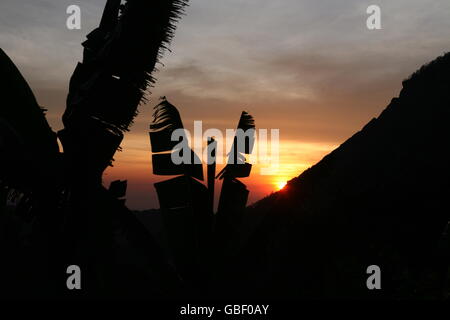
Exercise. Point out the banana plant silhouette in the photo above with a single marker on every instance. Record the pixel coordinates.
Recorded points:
(194, 233)
(77, 216)
(182, 199)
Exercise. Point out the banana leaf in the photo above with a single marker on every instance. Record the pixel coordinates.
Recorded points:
(164, 166)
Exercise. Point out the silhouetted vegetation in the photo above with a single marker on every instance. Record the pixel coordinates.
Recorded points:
(55, 211)
(380, 198)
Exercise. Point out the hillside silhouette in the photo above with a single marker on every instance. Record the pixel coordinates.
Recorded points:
(381, 198)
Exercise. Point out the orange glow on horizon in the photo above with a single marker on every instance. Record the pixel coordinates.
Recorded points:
(134, 164)
(281, 185)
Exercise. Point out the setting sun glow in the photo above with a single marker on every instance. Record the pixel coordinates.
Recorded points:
(281, 185)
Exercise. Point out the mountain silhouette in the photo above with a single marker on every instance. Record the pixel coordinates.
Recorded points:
(381, 198)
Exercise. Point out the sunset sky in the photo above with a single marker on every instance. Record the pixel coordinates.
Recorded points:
(310, 68)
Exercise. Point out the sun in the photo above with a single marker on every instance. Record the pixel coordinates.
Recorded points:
(281, 185)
